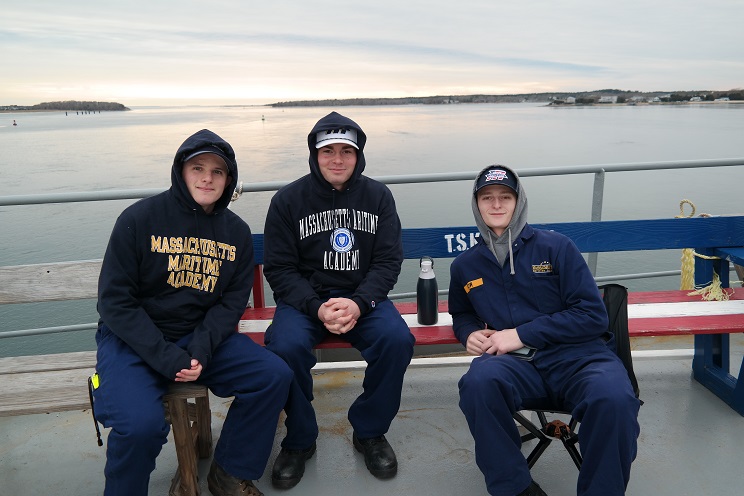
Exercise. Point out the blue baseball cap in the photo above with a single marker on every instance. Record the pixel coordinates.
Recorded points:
(496, 175)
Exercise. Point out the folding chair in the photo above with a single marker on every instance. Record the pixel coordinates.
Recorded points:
(615, 298)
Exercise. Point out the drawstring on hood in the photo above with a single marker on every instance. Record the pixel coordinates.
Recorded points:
(501, 246)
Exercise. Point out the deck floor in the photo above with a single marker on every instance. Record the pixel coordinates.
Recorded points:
(690, 444)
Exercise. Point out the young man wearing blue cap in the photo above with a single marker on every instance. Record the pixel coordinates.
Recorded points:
(333, 251)
(530, 290)
(175, 279)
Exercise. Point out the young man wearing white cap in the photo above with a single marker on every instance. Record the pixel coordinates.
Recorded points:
(333, 251)
(530, 289)
(175, 279)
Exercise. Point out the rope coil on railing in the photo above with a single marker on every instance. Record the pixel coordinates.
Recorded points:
(238, 191)
(712, 291)
(687, 280)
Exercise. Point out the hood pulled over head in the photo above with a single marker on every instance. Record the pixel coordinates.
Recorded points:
(500, 246)
(335, 128)
(204, 141)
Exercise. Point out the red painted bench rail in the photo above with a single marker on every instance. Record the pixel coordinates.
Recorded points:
(640, 297)
(257, 319)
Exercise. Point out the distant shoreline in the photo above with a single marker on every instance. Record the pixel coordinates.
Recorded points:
(643, 104)
(546, 104)
(555, 100)
(3, 111)
(568, 98)
(602, 96)
(36, 111)
(66, 106)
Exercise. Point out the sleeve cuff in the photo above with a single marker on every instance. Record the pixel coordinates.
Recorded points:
(364, 307)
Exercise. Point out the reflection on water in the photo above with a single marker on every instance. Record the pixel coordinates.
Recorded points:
(51, 152)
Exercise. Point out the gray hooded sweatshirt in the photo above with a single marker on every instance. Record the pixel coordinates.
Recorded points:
(501, 246)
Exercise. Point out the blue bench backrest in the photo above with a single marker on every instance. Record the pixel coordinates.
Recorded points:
(619, 235)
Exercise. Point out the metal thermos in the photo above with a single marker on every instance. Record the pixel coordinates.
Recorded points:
(426, 293)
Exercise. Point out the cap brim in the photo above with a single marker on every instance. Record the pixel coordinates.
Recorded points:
(336, 140)
(478, 188)
(213, 152)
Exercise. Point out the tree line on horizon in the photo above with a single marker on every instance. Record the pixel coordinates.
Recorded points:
(70, 105)
(581, 97)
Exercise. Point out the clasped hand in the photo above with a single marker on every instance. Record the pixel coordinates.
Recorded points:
(339, 315)
(493, 342)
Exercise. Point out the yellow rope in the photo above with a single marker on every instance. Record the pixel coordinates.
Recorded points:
(705, 257)
(713, 291)
(238, 191)
(687, 280)
(682, 209)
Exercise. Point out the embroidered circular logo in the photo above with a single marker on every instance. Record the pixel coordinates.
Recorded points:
(342, 240)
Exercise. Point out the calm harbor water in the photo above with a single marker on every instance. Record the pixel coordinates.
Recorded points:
(54, 152)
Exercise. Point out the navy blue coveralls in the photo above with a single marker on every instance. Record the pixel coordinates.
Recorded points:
(385, 342)
(553, 302)
(130, 402)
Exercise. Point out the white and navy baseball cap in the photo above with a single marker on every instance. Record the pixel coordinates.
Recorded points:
(346, 136)
(495, 175)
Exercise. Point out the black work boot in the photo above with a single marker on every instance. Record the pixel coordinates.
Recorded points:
(223, 484)
(289, 467)
(533, 490)
(378, 456)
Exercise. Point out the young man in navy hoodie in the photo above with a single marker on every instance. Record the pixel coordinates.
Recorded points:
(176, 277)
(333, 251)
(530, 289)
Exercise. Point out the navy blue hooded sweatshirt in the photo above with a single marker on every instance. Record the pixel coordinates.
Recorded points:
(319, 242)
(171, 269)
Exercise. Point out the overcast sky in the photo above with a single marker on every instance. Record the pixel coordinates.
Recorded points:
(242, 51)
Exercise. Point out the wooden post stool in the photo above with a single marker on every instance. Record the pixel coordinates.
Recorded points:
(191, 423)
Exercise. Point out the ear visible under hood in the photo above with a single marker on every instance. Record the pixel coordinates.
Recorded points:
(334, 120)
(500, 246)
(199, 141)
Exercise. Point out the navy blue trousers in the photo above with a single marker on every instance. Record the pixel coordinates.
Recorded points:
(386, 344)
(129, 400)
(594, 387)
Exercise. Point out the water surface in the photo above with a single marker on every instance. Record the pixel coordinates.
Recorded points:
(54, 152)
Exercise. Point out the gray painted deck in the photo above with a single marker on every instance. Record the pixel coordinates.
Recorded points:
(691, 443)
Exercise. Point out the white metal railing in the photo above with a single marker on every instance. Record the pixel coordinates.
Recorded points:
(599, 172)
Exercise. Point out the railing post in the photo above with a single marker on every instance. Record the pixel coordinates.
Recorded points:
(597, 200)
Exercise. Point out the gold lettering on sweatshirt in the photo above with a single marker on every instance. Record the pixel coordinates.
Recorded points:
(193, 262)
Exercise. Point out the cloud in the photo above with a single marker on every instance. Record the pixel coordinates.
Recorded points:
(290, 49)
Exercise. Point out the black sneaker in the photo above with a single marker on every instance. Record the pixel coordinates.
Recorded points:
(223, 484)
(533, 490)
(289, 467)
(378, 456)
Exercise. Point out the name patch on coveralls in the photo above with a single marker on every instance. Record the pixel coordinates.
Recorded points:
(543, 268)
(473, 284)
